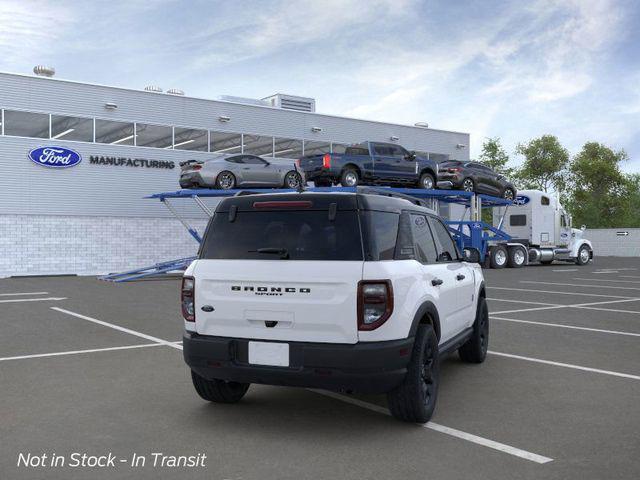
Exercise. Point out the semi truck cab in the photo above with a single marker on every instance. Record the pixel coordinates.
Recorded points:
(538, 223)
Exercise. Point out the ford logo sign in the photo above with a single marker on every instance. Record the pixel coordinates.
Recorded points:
(521, 200)
(55, 157)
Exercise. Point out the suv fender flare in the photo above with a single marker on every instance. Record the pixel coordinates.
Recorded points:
(427, 308)
(481, 290)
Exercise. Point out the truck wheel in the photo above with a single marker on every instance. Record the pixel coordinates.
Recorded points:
(474, 350)
(219, 391)
(349, 178)
(426, 181)
(508, 194)
(226, 180)
(414, 400)
(517, 257)
(499, 257)
(584, 255)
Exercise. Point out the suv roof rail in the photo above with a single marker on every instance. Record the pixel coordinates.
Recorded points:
(387, 193)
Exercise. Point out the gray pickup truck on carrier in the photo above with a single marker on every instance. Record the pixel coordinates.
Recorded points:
(370, 163)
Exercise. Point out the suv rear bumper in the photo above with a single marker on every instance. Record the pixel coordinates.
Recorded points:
(372, 367)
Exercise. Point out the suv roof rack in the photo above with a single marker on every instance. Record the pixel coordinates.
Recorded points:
(389, 193)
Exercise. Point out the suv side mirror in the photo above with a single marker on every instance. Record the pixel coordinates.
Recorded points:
(411, 156)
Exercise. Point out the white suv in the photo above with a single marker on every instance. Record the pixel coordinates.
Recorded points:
(353, 292)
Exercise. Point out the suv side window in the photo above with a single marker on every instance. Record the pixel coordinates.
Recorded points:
(447, 251)
(425, 247)
(381, 234)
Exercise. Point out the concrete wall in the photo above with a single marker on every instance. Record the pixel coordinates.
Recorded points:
(612, 241)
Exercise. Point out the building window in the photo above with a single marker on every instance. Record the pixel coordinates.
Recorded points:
(257, 145)
(316, 148)
(71, 128)
(287, 148)
(190, 139)
(115, 133)
(26, 124)
(226, 142)
(157, 136)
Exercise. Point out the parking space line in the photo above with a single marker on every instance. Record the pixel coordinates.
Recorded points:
(581, 285)
(47, 299)
(606, 280)
(119, 328)
(635, 312)
(76, 352)
(521, 301)
(559, 293)
(559, 325)
(566, 365)
(566, 270)
(485, 442)
(27, 293)
(577, 305)
(533, 309)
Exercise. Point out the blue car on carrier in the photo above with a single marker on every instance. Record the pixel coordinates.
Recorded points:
(370, 163)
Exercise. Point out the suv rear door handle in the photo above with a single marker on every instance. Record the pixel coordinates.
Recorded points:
(436, 281)
(460, 277)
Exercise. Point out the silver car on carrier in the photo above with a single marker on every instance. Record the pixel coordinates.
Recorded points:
(241, 170)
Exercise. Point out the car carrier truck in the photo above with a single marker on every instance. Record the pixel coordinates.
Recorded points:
(540, 231)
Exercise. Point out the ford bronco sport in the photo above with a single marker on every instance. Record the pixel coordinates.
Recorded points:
(352, 292)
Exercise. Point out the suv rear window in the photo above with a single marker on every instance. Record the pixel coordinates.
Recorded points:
(303, 235)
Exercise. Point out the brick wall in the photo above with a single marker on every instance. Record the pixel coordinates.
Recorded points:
(46, 245)
(611, 241)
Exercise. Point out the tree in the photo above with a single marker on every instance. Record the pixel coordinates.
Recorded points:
(494, 156)
(545, 164)
(600, 195)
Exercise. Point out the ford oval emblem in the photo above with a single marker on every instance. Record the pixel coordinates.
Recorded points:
(521, 200)
(55, 157)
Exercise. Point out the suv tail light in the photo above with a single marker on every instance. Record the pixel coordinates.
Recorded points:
(375, 303)
(188, 299)
(326, 160)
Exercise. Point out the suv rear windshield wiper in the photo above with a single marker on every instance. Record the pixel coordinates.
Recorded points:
(283, 252)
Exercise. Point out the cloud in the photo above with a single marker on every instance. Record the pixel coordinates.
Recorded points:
(30, 29)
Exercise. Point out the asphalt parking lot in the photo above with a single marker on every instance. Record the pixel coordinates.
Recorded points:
(95, 367)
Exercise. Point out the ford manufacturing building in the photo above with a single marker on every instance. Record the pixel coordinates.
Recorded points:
(91, 217)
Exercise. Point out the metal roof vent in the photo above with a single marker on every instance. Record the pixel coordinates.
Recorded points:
(153, 88)
(175, 91)
(291, 102)
(44, 71)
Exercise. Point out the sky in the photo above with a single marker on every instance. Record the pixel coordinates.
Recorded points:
(509, 69)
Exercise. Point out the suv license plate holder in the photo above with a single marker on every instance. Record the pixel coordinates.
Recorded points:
(269, 353)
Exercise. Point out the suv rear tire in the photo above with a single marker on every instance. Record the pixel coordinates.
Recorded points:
(414, 400)
(219, 391)
(474, 350)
